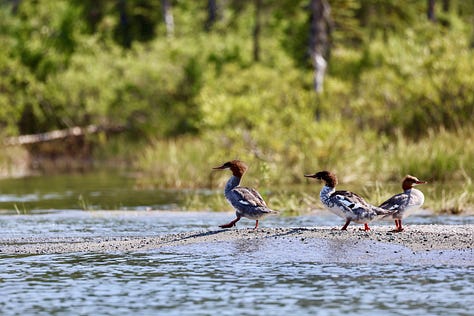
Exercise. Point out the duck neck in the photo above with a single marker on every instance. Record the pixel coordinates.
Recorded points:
(325, 194)
(414, 191)
(232, 183)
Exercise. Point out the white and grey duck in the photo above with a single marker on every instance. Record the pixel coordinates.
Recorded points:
(247, 202)
(404, 203)
(348, 205)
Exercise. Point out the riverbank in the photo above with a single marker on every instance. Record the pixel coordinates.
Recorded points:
(416, 238)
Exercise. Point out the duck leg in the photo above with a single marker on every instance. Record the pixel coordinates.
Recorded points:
(256, 225)
(232, 223)
(398, 226)
(366, 227)
(346, 224)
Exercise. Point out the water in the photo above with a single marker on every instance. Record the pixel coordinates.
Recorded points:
(229, 278)
(233, 281)
(244, 277)
(102, 190)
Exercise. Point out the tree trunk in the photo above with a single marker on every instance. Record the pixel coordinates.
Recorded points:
(212, 14)
(431, 11)
(319, 40)
(256, 31)
(446, 5)
(168, 17)
(124, 25)
(61, 134)
(15, 5)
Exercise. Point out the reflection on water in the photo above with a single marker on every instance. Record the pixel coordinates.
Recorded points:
(230, 278)
(101, 190)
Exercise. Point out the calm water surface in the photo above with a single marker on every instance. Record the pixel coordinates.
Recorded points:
(227, 278)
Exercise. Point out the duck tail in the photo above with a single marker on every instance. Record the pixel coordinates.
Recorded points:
(383, 212)
(270, 211)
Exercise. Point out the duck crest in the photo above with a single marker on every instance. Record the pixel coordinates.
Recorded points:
(328, 177)
(238, 168)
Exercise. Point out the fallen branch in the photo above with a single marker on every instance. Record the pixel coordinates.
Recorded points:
(60, 134)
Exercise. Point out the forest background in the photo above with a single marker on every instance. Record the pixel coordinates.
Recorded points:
(371, 90)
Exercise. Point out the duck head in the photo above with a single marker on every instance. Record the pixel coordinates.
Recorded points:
(410, 181)
(328, 177)
(237, 167)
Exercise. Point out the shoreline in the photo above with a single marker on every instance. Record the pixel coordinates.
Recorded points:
(415, 238)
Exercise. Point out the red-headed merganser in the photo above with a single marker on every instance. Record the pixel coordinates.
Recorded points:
(247, 202)
(346, 204)
(403, 203)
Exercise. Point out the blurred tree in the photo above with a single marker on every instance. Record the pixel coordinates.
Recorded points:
(431, 11)
(15, 5)
(212, 14)
(319, 40)
(123, 31)
(446, 5)
(168, 17)
(126, 21)
(256, 30)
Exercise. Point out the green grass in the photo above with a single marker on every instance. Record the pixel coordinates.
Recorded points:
(370, 166)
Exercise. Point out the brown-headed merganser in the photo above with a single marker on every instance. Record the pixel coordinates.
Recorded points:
(346, 204)
(404, 203)
(247, 202)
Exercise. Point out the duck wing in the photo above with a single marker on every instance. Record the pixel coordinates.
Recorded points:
(395, 202)
(249, 197)
(348, 200)
(354, 203)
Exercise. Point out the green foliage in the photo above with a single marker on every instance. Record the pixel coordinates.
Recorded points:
(15, 83)
(422, 82)
(42, 40)
(69, 61)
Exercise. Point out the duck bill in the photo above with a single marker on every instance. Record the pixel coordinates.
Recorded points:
(220, 168)
(310, 175)
(421, 182)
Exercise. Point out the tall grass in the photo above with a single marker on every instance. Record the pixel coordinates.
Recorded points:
(175, 163)
(365, 163)
(14, 162)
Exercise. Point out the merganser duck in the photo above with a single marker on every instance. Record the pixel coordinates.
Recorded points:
(346, 204)
(404, 203)
(247, 202)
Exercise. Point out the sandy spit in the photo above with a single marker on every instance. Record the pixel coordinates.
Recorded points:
(416, 237)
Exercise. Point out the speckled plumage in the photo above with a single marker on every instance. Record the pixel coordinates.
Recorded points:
(247, 202)
(404, 203)
(346, 204)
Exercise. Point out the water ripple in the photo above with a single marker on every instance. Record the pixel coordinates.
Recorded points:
(247, 277)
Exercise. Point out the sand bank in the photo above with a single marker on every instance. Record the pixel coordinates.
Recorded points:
(415, 237)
